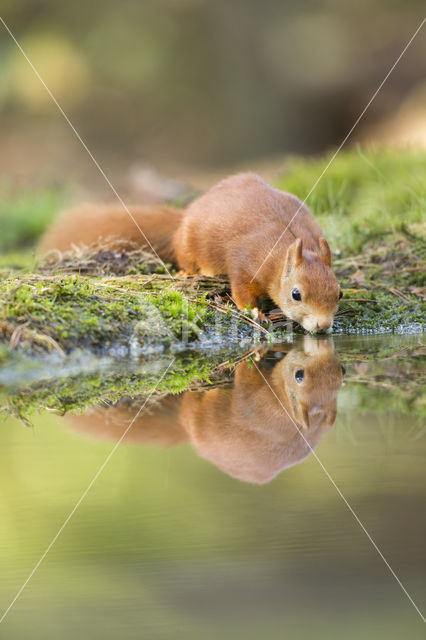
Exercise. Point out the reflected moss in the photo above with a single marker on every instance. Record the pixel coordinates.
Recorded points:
(382, 373)
(107, 384)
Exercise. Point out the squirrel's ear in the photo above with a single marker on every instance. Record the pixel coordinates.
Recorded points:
(294, 256)
(325, 252)
(331, 416)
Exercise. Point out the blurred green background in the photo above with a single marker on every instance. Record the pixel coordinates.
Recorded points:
(188, 86)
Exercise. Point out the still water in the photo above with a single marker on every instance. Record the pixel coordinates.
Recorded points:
(222, 512)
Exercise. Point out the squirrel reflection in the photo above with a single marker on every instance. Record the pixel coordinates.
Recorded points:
(271, 418)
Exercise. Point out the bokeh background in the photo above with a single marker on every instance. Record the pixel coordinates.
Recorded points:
(190, 88)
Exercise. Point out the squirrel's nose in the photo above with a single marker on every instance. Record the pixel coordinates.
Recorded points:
(323, 326)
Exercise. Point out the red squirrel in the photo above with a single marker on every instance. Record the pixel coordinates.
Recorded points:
(237, 228)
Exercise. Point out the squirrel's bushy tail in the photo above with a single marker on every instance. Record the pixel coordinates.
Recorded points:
(89, 223)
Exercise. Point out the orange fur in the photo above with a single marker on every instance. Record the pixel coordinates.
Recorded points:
(229, 230)
(89, 223)
(232, 228)
(157, 424)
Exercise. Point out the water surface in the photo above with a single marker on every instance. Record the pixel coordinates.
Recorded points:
(214, 517)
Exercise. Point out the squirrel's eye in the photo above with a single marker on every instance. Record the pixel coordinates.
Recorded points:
(340, 294)
(296, 295)
(299, 375)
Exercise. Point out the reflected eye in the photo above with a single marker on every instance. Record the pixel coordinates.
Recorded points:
(340, 294)
(299, 375)
(296, 295)
(343, 370)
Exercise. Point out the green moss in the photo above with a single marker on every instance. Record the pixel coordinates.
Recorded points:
(383, 287)
(362, 194)
(122, 316)
(77, 312)
(386, 314)
(5, 354)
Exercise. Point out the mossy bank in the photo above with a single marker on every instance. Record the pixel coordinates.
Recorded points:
(370, 203)
(114, 317)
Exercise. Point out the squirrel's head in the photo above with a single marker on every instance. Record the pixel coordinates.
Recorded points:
(312, 375)
(309, 292)
(250, 430)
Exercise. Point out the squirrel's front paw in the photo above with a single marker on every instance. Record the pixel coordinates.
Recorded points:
(258, 315)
